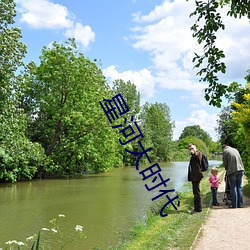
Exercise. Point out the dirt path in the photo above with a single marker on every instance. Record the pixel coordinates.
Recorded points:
(225, 228)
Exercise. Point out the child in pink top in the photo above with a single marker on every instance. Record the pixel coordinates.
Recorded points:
(214, 185)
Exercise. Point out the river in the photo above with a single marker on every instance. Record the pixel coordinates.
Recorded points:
(104, 204)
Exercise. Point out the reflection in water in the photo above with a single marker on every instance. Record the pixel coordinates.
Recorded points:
(104, 204)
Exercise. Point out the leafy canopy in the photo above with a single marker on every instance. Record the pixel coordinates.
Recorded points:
(205, 28)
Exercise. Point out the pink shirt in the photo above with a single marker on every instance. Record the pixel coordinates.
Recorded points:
(214, 181)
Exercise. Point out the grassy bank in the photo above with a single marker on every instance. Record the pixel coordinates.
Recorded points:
(176, 231)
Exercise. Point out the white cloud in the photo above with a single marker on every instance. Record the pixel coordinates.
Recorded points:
(83, 34)
(44, 14)
(143, 80)
(165, 33)
(208, 122)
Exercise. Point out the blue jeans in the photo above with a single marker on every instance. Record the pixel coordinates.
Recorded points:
(214, 196)
(235, 182)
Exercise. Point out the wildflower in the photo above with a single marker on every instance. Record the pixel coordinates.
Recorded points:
(78, 228)
(20, 243)
(45, 229)
(54, 230)
(29, 238)
(61, 215)
(10, 242)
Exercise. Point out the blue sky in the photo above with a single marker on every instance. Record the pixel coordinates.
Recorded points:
(148, 42)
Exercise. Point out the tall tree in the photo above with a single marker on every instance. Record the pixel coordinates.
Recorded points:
(207, 24)
(196, 131)
(227, 127)
(157, 128)
(12, 51)
(19, 158)
(67, 119)
(184, 142)
(241, 115)
(130, 95)
(132, 98)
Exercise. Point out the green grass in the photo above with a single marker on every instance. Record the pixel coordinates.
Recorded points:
(176, 231)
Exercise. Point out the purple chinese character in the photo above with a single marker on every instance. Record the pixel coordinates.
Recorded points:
(163, 192)
(110, 110)
(151, 171)
(128, 131)
(163, 182)
(120, 105)
(170, 201)
(140, 154)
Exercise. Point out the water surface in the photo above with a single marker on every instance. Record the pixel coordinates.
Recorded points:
(104, 204)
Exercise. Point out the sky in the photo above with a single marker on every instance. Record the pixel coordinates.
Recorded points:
(147, 42)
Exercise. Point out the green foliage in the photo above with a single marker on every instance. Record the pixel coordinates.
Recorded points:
(233, 123)
(157, 128)
(20, 158)
(196, 131)
(215, 147)
(227, 127)
(201, 146)
(205, 28)
(12, 50)
(66, 117)
(130, 95)
(132, 98)
(241, 116)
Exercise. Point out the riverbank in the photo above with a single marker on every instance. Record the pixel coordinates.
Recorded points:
(176, 231)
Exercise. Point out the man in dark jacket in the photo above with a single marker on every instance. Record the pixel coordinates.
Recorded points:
(195, 175)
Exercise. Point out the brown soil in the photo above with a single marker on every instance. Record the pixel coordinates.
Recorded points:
(225, 228)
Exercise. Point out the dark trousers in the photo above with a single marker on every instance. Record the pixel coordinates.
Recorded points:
(235, 181)
(197, 196)
(214, 196)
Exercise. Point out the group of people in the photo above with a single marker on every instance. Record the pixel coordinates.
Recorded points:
(234, 167)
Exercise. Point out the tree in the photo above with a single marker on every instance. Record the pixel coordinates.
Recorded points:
(66, 117)
(157, 128)
(207, 24)
(130, 95)
(196, 131)
(132, 98)
(241, 116)
(20, 158)
(229, 130)
(184, 142)
(227, 127)
(12, 50)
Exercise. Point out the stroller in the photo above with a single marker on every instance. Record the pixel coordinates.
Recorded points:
(227, 194)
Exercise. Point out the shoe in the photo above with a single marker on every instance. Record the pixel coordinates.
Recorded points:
(240, 206)
(231, 206)
(194, 212)
(217, 204)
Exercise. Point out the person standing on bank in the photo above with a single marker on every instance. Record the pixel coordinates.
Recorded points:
(235, 169)
(195, 175)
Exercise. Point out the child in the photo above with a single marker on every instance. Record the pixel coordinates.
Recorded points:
(214, 185)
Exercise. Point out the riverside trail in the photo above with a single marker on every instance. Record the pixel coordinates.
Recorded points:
(225, 228)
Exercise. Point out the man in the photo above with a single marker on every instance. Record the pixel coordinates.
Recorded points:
(195, 175)
(235, 169)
